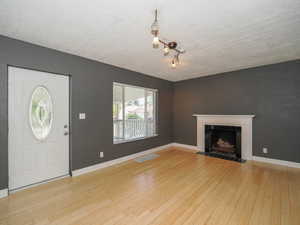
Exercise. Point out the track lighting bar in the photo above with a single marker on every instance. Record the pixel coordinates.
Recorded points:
(175, 49)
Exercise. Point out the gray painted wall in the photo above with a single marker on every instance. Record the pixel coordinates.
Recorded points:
(91, 93)
(271, 92)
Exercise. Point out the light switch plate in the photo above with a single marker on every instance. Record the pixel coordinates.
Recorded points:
(82, 116)
(101, 155)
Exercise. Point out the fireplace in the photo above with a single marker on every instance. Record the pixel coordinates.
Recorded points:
(223, 142)
(243, 121)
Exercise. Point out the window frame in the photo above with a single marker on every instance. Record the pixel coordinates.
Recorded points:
(155, 112)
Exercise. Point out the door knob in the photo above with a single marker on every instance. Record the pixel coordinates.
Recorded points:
(66, 133)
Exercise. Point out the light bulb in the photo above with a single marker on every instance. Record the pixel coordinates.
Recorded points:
(173, 64)
(155, 42)
(166, 50)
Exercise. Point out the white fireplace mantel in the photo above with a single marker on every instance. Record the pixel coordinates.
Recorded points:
(244, 121)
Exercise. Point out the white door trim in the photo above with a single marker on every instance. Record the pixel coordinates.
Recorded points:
(3, 193)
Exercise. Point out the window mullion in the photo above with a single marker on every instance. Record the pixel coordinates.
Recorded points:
(146, 115)
(123, 111)
(155, 111)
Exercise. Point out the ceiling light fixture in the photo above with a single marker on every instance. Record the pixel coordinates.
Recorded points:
(167, 45)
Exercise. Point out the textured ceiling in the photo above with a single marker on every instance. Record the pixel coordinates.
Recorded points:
(219, 36)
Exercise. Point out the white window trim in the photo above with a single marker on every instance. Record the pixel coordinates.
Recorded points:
(134, 139)
(129, 85)
(155, 108)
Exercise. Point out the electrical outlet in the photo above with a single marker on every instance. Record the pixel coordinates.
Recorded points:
(101, 154)
(265, 150)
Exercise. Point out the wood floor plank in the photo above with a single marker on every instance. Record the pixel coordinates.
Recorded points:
(177, 188)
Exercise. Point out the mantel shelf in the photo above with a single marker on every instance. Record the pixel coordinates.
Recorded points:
(227, 116)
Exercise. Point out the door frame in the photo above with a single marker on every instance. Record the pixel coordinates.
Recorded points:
(70, 124)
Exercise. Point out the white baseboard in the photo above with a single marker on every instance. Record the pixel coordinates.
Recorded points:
(276, 161)
(3, 193)
(160, 148)
(117, 161)
(192, 147)
(254, 158)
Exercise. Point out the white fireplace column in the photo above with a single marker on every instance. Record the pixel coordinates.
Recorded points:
(243, 121)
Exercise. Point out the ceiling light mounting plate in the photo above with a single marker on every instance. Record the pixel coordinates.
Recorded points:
(172, 44)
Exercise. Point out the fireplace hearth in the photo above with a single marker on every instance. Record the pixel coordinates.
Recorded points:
(223, 142)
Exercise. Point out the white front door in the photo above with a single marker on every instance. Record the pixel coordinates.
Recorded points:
(38, 126)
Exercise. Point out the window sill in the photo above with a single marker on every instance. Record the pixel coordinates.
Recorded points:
(132, 140)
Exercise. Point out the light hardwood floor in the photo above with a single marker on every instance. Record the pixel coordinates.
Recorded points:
(179, 187)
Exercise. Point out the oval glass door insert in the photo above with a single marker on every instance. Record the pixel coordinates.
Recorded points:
(41, 113)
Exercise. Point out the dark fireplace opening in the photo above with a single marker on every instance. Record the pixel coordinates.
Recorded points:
(223, 142)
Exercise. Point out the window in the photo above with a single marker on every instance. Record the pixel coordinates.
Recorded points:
(134, 112)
